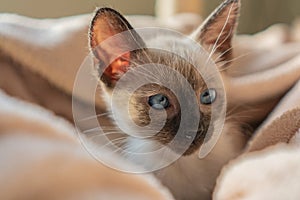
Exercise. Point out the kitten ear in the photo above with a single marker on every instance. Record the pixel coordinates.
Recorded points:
(216, 32)
(113, 50)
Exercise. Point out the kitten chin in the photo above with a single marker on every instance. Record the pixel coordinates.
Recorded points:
(192, 178)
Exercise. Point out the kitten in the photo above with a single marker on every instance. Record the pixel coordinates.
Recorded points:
(189, 177)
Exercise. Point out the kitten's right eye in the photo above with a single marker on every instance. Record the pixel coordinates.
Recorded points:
(159, 102)
(208, 96)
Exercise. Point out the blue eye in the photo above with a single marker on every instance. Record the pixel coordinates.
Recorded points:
(159, 101)
(208, 96)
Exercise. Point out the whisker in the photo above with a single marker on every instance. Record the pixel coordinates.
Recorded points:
(93, 117)
(112, 132)
(221, 68)
(137, 43)
(222, 54)
(219, 36)
(234, 59)
(147, 75)
(92, 130)
(129, 148)
(229, 49)
(113, 142)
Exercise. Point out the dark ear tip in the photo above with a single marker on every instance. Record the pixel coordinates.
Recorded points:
(105, 10)
(102, 11)
(235, 3)
(231, 1)
(226, 2)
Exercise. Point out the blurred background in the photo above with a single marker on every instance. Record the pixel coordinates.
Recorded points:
(256, 14)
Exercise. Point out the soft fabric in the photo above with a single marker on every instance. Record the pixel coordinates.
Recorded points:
(39, 60)
(270, 166)
(40, 158)
(268, 174)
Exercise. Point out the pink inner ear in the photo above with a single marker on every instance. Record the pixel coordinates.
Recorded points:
(118, 67)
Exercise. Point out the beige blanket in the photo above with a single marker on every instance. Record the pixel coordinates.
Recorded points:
(270, 165)
(39, 60)
(41, 159)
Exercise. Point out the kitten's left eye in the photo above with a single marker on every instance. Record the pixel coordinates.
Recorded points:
(208, 96)
(159, 101)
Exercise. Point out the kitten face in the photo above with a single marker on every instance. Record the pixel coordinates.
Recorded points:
(154, 103)
(159, 100)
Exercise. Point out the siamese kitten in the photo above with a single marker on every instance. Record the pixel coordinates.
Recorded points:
(189, 177)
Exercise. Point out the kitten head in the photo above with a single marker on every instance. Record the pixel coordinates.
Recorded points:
(154, 106)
